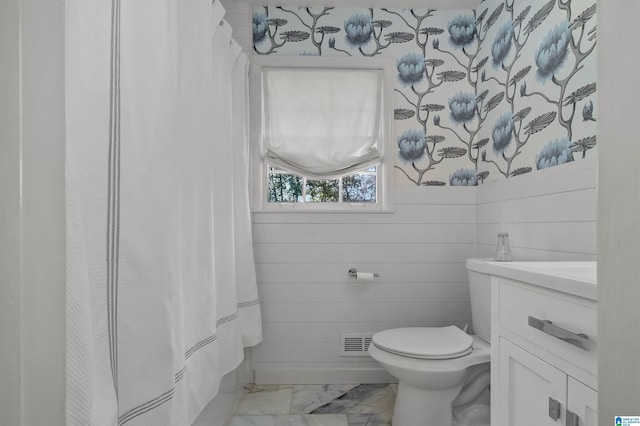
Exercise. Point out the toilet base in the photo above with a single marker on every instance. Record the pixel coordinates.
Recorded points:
(474, 415)
(422, 407)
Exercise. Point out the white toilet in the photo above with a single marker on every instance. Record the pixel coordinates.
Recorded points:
(443, 373)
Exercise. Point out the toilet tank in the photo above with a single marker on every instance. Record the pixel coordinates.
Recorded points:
(480, 292)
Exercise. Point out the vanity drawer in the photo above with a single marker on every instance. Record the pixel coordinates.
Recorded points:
(527, 310)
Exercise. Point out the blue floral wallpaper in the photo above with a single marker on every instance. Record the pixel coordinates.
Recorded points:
(543, 68)
(480, 95)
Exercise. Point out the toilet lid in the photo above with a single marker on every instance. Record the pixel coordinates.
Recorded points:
(425, 342)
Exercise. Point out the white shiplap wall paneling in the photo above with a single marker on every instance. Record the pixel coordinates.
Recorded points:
(308, 298)
(550, 215)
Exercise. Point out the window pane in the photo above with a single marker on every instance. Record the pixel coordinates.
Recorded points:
(284, 188)
(359, 188)
(323, 191)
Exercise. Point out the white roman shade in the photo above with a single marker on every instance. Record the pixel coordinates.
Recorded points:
(322, 123)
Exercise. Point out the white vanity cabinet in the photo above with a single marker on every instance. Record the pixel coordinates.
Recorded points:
(544, 353)
(582, 403)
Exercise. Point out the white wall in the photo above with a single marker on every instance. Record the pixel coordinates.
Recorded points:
(43, 212)
(32, 226)
(307, 299)
(10, 349)
(549, 215)
(619, 204)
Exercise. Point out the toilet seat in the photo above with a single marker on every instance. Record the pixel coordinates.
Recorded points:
(425, 342)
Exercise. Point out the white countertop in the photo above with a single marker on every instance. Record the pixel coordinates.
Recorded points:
(576, 278)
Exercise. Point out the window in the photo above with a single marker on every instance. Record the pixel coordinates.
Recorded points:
(320, 133)
(359, 187)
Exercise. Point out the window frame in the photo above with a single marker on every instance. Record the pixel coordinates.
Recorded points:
(259, 168)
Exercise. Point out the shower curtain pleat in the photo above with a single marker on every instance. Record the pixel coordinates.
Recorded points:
(162, 295)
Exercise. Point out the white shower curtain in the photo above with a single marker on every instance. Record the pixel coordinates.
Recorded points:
(161, 289)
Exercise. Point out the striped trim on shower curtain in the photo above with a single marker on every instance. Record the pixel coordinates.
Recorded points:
(113, 236)
(113, 197)
(153, 323)
(168, 395)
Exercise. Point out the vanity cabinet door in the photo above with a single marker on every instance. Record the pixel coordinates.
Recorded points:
(532, 392)
(581, 405)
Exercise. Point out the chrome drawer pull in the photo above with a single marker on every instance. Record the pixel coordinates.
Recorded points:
(572, 419)
(580, 340)
(554, 409)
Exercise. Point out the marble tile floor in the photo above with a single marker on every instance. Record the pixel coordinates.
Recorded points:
(315, 405)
